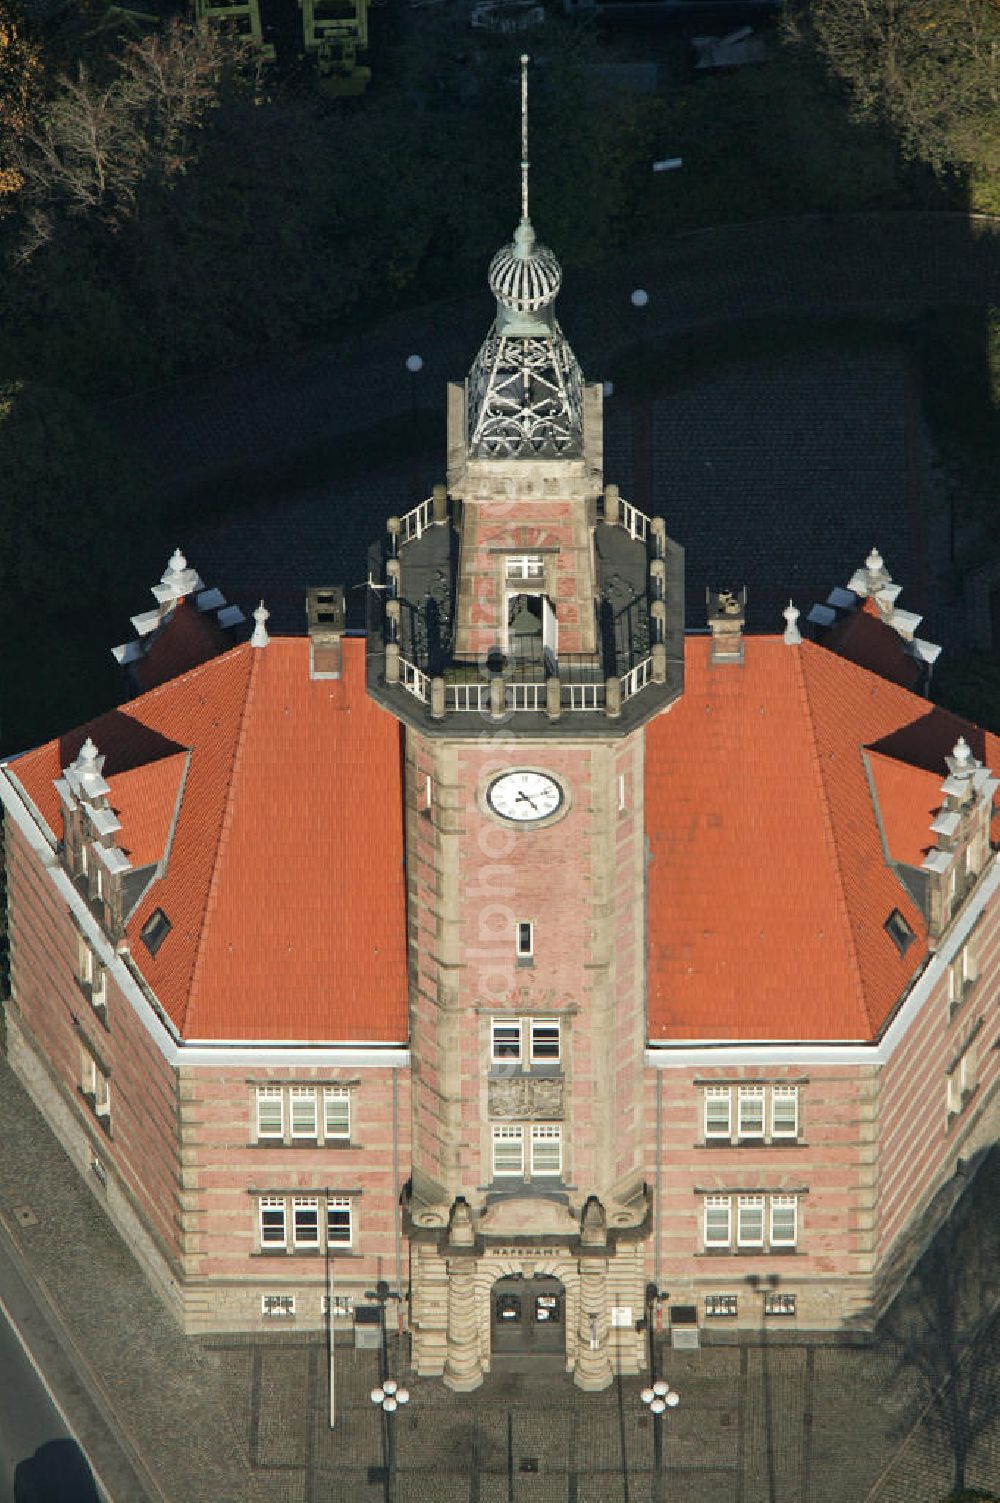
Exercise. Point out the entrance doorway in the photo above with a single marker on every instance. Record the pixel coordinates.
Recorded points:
(527, 1321)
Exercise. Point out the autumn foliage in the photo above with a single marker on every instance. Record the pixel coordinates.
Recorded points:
(20, 84)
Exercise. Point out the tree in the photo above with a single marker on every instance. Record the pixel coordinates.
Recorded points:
(928, 68)
(94, 144)
(20, 79)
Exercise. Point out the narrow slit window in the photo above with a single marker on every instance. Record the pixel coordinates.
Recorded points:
(525, 941)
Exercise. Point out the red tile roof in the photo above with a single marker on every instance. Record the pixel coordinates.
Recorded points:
(284, 886)
(768, 884)
(145, 800)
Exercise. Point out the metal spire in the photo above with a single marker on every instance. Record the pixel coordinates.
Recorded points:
(525, 164)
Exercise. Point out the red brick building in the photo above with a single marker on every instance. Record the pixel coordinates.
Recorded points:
(526, 951)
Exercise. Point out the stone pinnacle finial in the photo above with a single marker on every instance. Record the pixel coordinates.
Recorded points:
(86, 757)
(874, 563)
(792, 635)
(260, 637)
(962, 753)
(177, 563)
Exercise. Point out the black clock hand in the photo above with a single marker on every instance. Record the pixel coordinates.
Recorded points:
(527, 800)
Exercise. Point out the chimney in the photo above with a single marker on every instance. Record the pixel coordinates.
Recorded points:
(726, 618)
(325, 614)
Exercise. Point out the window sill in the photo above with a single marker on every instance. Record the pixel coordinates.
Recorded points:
(966, 1099)
(748, 1252)
(334, 1143)
(780, 1142)
(305, 1252)
(517, 1071)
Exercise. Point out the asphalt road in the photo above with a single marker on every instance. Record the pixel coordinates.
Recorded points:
(36, 1447)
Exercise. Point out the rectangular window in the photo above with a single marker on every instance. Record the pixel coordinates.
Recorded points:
(961, 974)
(784, 1220)
(302, 1101)
(776, 1303)
(525, 941)
(751, 1103)
(784, 1111)
(750, 1221)
(339, 1221)
(508, 1151)
(718, 1220)
(273, 1305)
(270, 1112)
(544, 1041)
(718, 1112)
(525, 567)
(272, 1221)
(102, 1094)
(95, 1084)
(962, 1080)
(546, 1150)
(721, 1304)
(305, 1220)
(506, 1039)
(336, 1111)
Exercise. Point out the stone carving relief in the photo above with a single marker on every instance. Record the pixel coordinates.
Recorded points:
(527, 1098)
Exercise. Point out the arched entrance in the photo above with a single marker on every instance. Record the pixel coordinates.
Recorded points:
(527, 1320)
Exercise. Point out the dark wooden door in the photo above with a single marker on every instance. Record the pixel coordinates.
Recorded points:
(527, 1317)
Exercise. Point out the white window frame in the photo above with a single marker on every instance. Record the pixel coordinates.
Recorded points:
(498, 1024)
(746, 1094)
(746, 1204)
(277, 1306)
(524, 940)
(718, 1094)
(525, 567)
(305, 1203)
(303, 1095)
(342, 1094)
(272, 1203)
(271, 1093)
(717, 1203)
(535, 1025)
(548, 1133)
(508, 1132)
(786, 1093)
(783, 1203)
(339, 1203)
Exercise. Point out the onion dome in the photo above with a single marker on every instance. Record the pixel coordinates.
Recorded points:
(525, 276)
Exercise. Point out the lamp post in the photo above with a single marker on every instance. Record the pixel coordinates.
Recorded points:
(414, 364)
(382, 1294)
(389, 1397)
(658, 1398)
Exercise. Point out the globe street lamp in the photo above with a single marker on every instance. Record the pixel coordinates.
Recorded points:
(389, 1397)
(414, 364)
(658, 1398)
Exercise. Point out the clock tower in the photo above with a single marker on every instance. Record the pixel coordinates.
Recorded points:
(527, 622)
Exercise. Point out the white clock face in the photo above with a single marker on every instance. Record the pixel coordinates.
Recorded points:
(524, 796)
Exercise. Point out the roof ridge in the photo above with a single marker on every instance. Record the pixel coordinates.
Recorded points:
(827, 818)
(225, 825)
